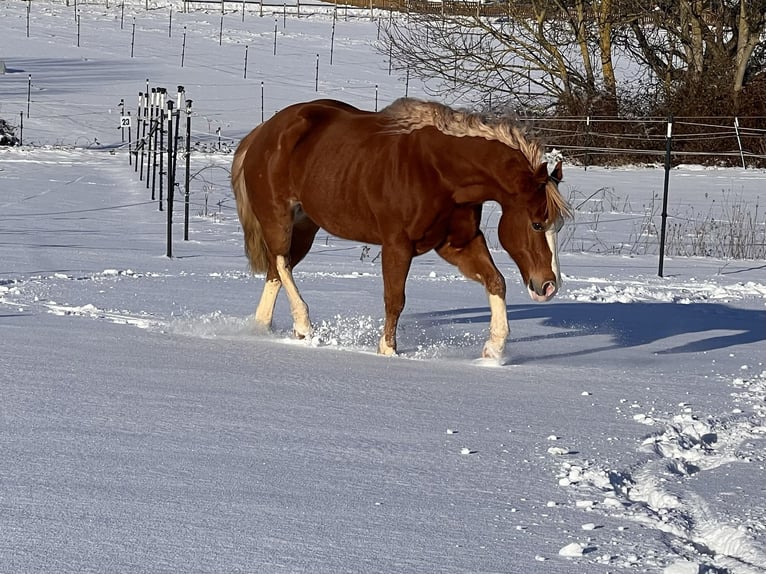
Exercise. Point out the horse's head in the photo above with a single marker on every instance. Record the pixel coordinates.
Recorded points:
(528, 231)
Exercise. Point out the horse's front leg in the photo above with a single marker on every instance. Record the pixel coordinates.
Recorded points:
(396, 260)
(475, 262)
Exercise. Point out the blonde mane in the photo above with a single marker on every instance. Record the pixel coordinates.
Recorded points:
(410, 114)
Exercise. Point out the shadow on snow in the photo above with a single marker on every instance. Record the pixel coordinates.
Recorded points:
(713, 326)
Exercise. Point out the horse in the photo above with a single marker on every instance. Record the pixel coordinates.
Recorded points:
(412, 178)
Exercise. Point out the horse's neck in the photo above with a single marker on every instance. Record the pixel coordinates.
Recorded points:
(484, 176)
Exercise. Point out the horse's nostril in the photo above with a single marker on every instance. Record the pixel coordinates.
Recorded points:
(547, 289)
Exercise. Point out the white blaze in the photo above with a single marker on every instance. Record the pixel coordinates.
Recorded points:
(551, 236)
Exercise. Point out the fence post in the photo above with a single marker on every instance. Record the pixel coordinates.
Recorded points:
(739, 142)
(332, 35)
(163, 93)
(668, 147)
(183, 48)
(122, 115)
(187, 176)
(171, 181)
(587, 142)
(139, 121)
(130, 140)
(151, 153)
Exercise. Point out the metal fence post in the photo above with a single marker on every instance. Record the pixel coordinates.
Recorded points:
(668, 147)
(187, 176)
(171, 180)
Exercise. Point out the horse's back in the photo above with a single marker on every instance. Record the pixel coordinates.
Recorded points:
(355, 173)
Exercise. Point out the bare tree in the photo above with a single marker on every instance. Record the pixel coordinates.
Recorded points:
(544, 54)
(539, 54)
(698, 47)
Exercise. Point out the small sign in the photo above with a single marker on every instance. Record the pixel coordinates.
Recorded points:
(124, 121)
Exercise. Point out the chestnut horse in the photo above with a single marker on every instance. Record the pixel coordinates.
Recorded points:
(411, 178)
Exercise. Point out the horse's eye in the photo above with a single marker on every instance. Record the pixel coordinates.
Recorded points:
(538, 226)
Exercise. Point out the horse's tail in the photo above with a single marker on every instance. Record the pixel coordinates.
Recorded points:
(255, 247)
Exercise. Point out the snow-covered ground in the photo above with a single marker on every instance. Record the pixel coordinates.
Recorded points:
(145, 428)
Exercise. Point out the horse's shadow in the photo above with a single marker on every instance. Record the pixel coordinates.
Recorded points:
(700, 326)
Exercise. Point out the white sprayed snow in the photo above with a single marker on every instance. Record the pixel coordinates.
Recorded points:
(146, 425)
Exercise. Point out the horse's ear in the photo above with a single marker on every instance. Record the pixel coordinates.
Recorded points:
(541, 174)
(558, 173)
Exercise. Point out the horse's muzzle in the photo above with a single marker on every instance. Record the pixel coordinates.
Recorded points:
(542, 293)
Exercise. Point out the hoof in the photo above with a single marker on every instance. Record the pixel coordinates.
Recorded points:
(491, 351)
(385, 349)
(260, 327)
(301, 335)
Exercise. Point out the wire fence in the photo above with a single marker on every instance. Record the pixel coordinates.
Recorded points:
(729, 140)
(737, 231)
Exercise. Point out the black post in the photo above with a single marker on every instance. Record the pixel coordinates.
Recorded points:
(132, 36)
(130, 140)
(316, 77)
(162, 155)
(246, 48)
(144, 121)
(407, 86)
(122, 115)
(157, 144)
(171, 181)
(21, 134)
(668, 147)
(29, 93)
(187, 176)
(183, 48)
(150, 149)
(332, 36)
(29, 8)
(138, 127)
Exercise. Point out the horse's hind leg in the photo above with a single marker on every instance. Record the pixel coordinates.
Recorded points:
(304, 231)
(475, 262)
(265, 310)
(298, 307)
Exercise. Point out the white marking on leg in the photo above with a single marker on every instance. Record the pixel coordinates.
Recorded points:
(265, 310)
(498, 327)
(384, 348)
(298, 307)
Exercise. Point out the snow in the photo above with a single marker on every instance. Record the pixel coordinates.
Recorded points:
(144, 426)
